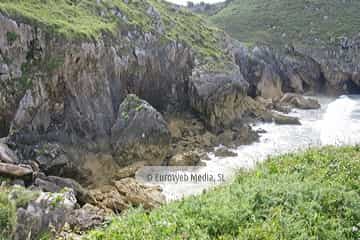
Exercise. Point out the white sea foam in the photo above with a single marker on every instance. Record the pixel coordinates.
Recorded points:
(336, 123)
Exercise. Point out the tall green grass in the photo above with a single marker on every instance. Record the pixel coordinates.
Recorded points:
(309, 195)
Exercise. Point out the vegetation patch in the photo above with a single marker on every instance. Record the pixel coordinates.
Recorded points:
(275, 22)
(11, 37)
(7, 215)
(89, 19)
(12, 198)
(309, 195)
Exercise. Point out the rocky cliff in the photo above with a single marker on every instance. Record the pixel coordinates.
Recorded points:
(93, 90)
(323, 33)
(64, 80)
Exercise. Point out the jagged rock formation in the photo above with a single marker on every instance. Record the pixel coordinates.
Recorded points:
(125, 193)
(219, 97)
(270, 74)
(7, 155)
(79, 102)
(65, 103)
(297, 101)
(322, 36)
(45, 212)
(62, 96)
(139, 134)
(339, 63)
(77, 87)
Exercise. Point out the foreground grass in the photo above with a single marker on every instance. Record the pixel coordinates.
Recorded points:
(12, 198)
(310, 195)
(305, 22)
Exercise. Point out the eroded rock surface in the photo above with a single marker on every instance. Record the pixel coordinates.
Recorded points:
(48, 211)
(270, 73)
(339, 62)
(125, 193)
(298, 101)
(139, 134)
(7, 155)
(60, 98)
(219, 98)
(191, 158)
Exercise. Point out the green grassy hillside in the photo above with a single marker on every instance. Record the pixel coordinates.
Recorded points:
(310, 195)
(90, 19)
(306, 22)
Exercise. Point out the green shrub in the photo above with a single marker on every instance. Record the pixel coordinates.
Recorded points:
(11, 37)
(12, 198)
(21, 196)
(7, 215)
(309, 195)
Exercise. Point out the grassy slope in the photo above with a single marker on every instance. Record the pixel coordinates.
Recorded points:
(88, 19)
(303, 21)
(310, 195)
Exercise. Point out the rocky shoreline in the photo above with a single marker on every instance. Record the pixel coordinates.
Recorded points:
(78, 118)
(75, 209)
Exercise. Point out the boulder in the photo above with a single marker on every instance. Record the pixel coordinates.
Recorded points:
(57, 184)
(284, 108)
(129, 171)
(189, 134)
(51, 158)
(137, 194)
(191, 158)
(7, 155)
(298, 101)
(238, 135)
(125, 193)
(225, 152)
(16, 171)
(285, 120)
(86, 218)
(139, 134)
(108, 198)
(219, 98)
(48, 211)
(267, 102)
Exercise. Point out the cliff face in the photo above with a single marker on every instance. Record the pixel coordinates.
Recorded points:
(325, 32)
(88, 80)
(93, 90)
(272, 71)
(270, 74)
(70, 91)
(61, 90)
(340, 64)
(63, 81)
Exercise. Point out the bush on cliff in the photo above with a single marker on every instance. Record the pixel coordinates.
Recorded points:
(309, 195)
